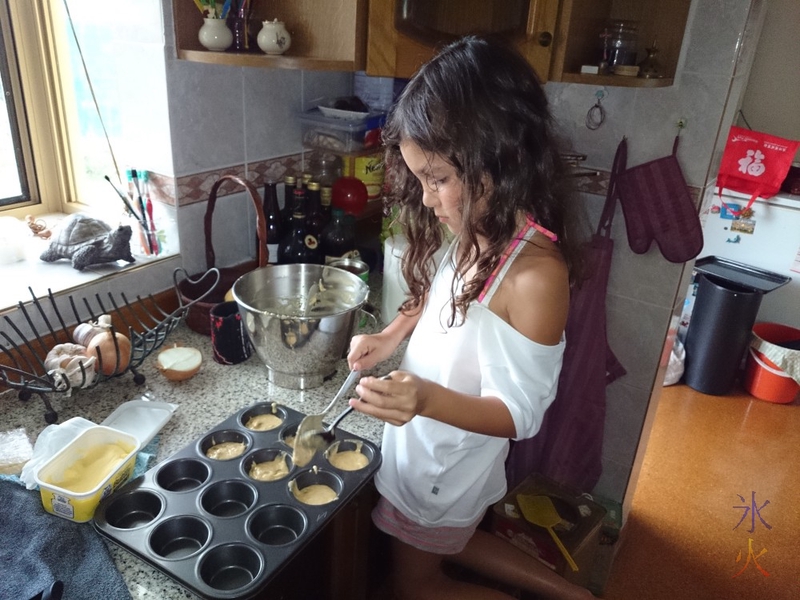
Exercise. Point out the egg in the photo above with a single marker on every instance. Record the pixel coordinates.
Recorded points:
(102, 345)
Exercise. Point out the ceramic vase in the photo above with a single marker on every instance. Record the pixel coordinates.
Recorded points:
(273, 37)
(215, 35)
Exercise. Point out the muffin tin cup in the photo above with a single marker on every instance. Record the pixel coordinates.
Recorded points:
(212, 527)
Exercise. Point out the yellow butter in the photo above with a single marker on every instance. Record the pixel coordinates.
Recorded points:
(92, 468)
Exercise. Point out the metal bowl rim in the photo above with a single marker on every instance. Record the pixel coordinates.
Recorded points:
(245, 305)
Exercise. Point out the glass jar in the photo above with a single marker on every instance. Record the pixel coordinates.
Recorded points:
(619, 40)
(326, 168)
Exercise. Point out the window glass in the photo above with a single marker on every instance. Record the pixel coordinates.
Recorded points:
(94, 52)
(10, 181)
(13, 175)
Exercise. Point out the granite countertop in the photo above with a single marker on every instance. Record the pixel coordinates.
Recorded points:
(206, 399)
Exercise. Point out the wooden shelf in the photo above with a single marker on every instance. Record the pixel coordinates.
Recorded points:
(577, 40)
(326, 36)
(616, 80)
(248, 59)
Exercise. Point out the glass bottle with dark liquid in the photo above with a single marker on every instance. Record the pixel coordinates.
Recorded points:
(299, 245)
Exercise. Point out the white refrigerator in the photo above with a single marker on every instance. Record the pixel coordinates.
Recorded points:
(768, 239)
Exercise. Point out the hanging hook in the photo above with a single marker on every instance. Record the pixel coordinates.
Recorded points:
(597, 114)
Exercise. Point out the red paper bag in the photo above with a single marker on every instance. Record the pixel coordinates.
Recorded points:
(754, 163)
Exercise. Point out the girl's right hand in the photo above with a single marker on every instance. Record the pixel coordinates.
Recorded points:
(366, 351)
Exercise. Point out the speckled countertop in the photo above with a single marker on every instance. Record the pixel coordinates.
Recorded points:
(208, 398)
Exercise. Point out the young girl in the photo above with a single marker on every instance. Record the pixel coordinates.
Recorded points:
(469, 147)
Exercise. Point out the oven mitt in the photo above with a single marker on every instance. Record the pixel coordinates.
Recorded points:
(657, 206)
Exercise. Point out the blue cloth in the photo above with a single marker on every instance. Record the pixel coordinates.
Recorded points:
(37, 548)
(145, 457)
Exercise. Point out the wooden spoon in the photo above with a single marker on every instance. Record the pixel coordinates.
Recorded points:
(540, 511)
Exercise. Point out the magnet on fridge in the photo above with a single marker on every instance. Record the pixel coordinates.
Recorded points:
(725, 211)
(743, 225)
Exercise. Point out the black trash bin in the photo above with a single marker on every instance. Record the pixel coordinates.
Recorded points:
(728, 298)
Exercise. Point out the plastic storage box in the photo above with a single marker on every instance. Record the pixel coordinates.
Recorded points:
(79, 506)
(341, 135)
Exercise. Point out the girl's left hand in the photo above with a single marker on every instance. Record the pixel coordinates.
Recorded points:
(395, 401)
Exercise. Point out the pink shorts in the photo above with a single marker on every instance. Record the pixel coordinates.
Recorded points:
(437, 540)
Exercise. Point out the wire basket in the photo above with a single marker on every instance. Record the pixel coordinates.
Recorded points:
(42, 323)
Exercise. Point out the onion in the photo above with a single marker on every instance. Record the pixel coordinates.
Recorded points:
(102, 345)
(179, 363)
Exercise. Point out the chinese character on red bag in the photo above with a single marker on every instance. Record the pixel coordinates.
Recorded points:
(754, 163)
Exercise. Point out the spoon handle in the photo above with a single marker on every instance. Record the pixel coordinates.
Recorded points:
(351, 379)
(346, 411)
(339, 418)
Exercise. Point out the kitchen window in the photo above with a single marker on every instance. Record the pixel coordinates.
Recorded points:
(28, 146)
(72, 144)
(56, 149)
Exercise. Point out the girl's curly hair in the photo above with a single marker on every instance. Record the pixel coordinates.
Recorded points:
(479, 105)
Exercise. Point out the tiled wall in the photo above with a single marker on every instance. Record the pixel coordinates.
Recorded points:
(645, 292)
(234, 120)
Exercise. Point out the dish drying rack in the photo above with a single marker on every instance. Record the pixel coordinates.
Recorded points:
(22, 356)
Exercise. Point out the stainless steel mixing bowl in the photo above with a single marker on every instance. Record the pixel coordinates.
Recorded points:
(300, 319)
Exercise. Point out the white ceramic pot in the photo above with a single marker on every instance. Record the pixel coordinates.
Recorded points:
(273, 37)
(215, 35)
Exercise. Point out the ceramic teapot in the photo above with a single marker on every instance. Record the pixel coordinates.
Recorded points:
(274, 38)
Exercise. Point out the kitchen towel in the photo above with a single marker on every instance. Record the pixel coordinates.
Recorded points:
(37, 548)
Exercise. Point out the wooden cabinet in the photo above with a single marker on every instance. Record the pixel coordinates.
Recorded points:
(402, 35)
(392, 38)
(580, 23)
(326, 36)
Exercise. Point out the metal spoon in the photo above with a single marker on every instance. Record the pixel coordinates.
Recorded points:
(307, 440)
(323, 437)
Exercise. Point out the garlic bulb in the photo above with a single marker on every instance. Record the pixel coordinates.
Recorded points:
(67, 360)
(83, 333)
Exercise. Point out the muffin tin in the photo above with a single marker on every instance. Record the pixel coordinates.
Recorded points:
(207, 524)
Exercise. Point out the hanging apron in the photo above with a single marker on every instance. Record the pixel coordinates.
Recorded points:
(568, 447)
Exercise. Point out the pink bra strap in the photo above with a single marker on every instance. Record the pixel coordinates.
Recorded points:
(513, 248)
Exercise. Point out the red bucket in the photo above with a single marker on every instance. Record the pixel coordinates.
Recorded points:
(763, 378)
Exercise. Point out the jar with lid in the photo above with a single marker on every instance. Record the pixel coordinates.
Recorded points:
(619, 41)
(326, 168)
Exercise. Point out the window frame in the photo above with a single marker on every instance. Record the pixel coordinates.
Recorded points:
(39, 101)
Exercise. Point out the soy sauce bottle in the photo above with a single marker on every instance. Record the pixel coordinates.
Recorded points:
(299, 245)
(315, 215)
(275, 229)
(289, 184)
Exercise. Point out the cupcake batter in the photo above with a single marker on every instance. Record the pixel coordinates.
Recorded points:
(349, 460)
(263, 422)
(270, 470)
(316, 494)
(226, 450)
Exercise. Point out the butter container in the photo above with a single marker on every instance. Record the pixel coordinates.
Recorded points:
(83, 454)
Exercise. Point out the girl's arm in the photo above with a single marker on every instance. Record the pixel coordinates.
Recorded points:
(399, 399)
(366, 351)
